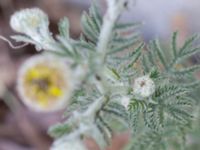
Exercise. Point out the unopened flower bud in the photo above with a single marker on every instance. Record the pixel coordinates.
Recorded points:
(144, 86)
(34, 23)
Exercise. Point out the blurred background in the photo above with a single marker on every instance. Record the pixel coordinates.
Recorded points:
(22, 129)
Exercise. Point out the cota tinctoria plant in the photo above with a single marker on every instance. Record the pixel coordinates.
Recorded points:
(113, 80)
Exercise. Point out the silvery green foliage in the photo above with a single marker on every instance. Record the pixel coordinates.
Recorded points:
(124, 83)
(67, 144)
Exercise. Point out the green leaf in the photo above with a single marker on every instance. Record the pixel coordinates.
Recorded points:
(190, 53)
(188, 49)
(126, 27)
(167, 91)
(152, 118)
(151, 58)
(117, 110)
(84, 45)
(104, 130)
(136, 55)
(63, 27)
(182, 102)
(106, 125)
(188, 43)
(191, 85)
(134, 123)
(178, 114)
(174, 44)
(159, 52)
(123, 45)
(89, 27)
(111, 72)
(145, 64)
(186, 71)
(95, 15)
(148, 140)
(67, 44)
(59, 130)
(116, 113)
(154, 73)
(137, 105)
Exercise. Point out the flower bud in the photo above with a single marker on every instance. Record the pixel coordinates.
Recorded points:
(144, 86)
(125, 101)
(34, 23)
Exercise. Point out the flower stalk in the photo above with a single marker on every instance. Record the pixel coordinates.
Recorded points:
(115, 8)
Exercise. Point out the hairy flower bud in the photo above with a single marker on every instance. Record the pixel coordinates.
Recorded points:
(144, 86)
(125, 101)
(34, 23)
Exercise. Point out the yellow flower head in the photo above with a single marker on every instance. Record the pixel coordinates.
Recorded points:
(44, 83)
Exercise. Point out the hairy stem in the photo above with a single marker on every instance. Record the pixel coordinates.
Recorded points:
(115, 8)
(87, 119)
